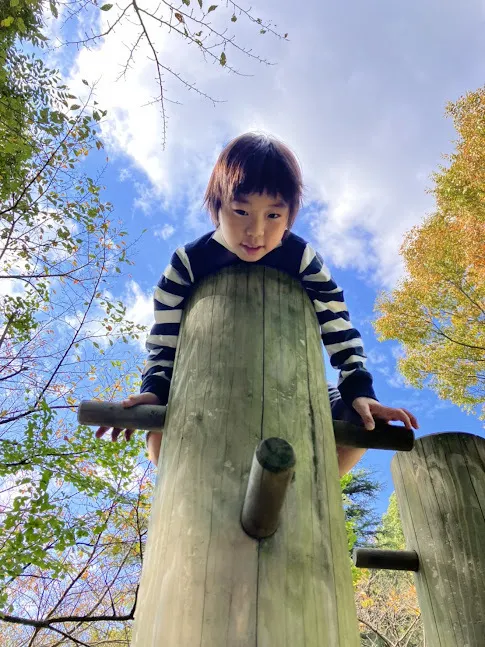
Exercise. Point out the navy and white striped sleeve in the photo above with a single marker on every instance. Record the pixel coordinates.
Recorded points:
(341, 340)
(169, 299)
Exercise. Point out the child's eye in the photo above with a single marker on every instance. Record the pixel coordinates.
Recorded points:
(274, 216)
(240, 212)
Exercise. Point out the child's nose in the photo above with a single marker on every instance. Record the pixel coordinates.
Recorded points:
(255, 228)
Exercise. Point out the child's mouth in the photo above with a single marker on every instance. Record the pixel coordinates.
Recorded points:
(251, 250)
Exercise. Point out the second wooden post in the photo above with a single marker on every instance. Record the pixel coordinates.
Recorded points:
(249, 366)
(440, 487)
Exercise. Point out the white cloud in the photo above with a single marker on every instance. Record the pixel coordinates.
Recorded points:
(393, 378)
(397, 351)
(379, 362)
(358, 93)
(124, 175)
(11, 288)
(139, 307)
(431, 410)
(165, 232)
(376, 357)
(146, 197)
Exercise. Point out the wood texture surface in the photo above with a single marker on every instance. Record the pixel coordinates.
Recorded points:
(112, 414)
(440, 487)
(249, 366)
(271, 473)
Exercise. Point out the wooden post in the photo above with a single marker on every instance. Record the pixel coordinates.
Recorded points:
(249, 366)
(440, 488)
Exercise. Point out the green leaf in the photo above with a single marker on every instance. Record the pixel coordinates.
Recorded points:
(14, 3)
(75, 106)
(106, 7)
(186, 2)
(223, 59)
(213, 7)
(53, 9)
(200, 4)
(85, 82)
(6, 22)
(234, 18)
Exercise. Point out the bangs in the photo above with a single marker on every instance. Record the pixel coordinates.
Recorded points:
(262, 172)
(255, 163)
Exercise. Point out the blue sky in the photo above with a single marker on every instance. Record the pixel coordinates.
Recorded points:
(358, 92)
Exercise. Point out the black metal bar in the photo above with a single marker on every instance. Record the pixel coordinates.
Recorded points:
(393, 560)
(384, 436)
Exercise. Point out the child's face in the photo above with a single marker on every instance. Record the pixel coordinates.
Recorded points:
(254, 224)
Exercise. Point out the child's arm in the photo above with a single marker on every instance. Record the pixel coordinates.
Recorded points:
(344, 344)
(341, 340)
(169, 299)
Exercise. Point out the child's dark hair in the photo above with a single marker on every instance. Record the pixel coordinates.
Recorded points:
(254, 163)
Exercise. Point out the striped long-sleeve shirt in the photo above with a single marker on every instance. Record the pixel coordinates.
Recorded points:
(209, 254)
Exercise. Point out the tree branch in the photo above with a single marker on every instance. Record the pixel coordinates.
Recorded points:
(377, 633)
(455, 341)
(76, 641)
(46, 624)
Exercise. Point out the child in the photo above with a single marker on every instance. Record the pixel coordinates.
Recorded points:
(253, 197)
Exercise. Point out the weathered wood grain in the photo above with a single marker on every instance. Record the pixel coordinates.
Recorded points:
(440, 487)
(271, 472)
(248, 367)
(148, 417)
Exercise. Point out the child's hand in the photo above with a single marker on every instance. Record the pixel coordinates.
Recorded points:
(367, 408)
(131, 401)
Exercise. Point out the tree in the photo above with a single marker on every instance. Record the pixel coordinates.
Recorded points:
(23, 20)
(93, 598)
(70, 515)
(387, 606)
(73, 510)
(193, 22)
(437, 312)
(359, 490)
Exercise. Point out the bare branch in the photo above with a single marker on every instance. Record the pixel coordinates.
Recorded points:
(378, 633)
(192, 26)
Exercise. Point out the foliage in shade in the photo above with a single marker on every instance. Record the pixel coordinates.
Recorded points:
(387, 606)
(72, 509)
(437, 312)
(390, 534)
(359, 491)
